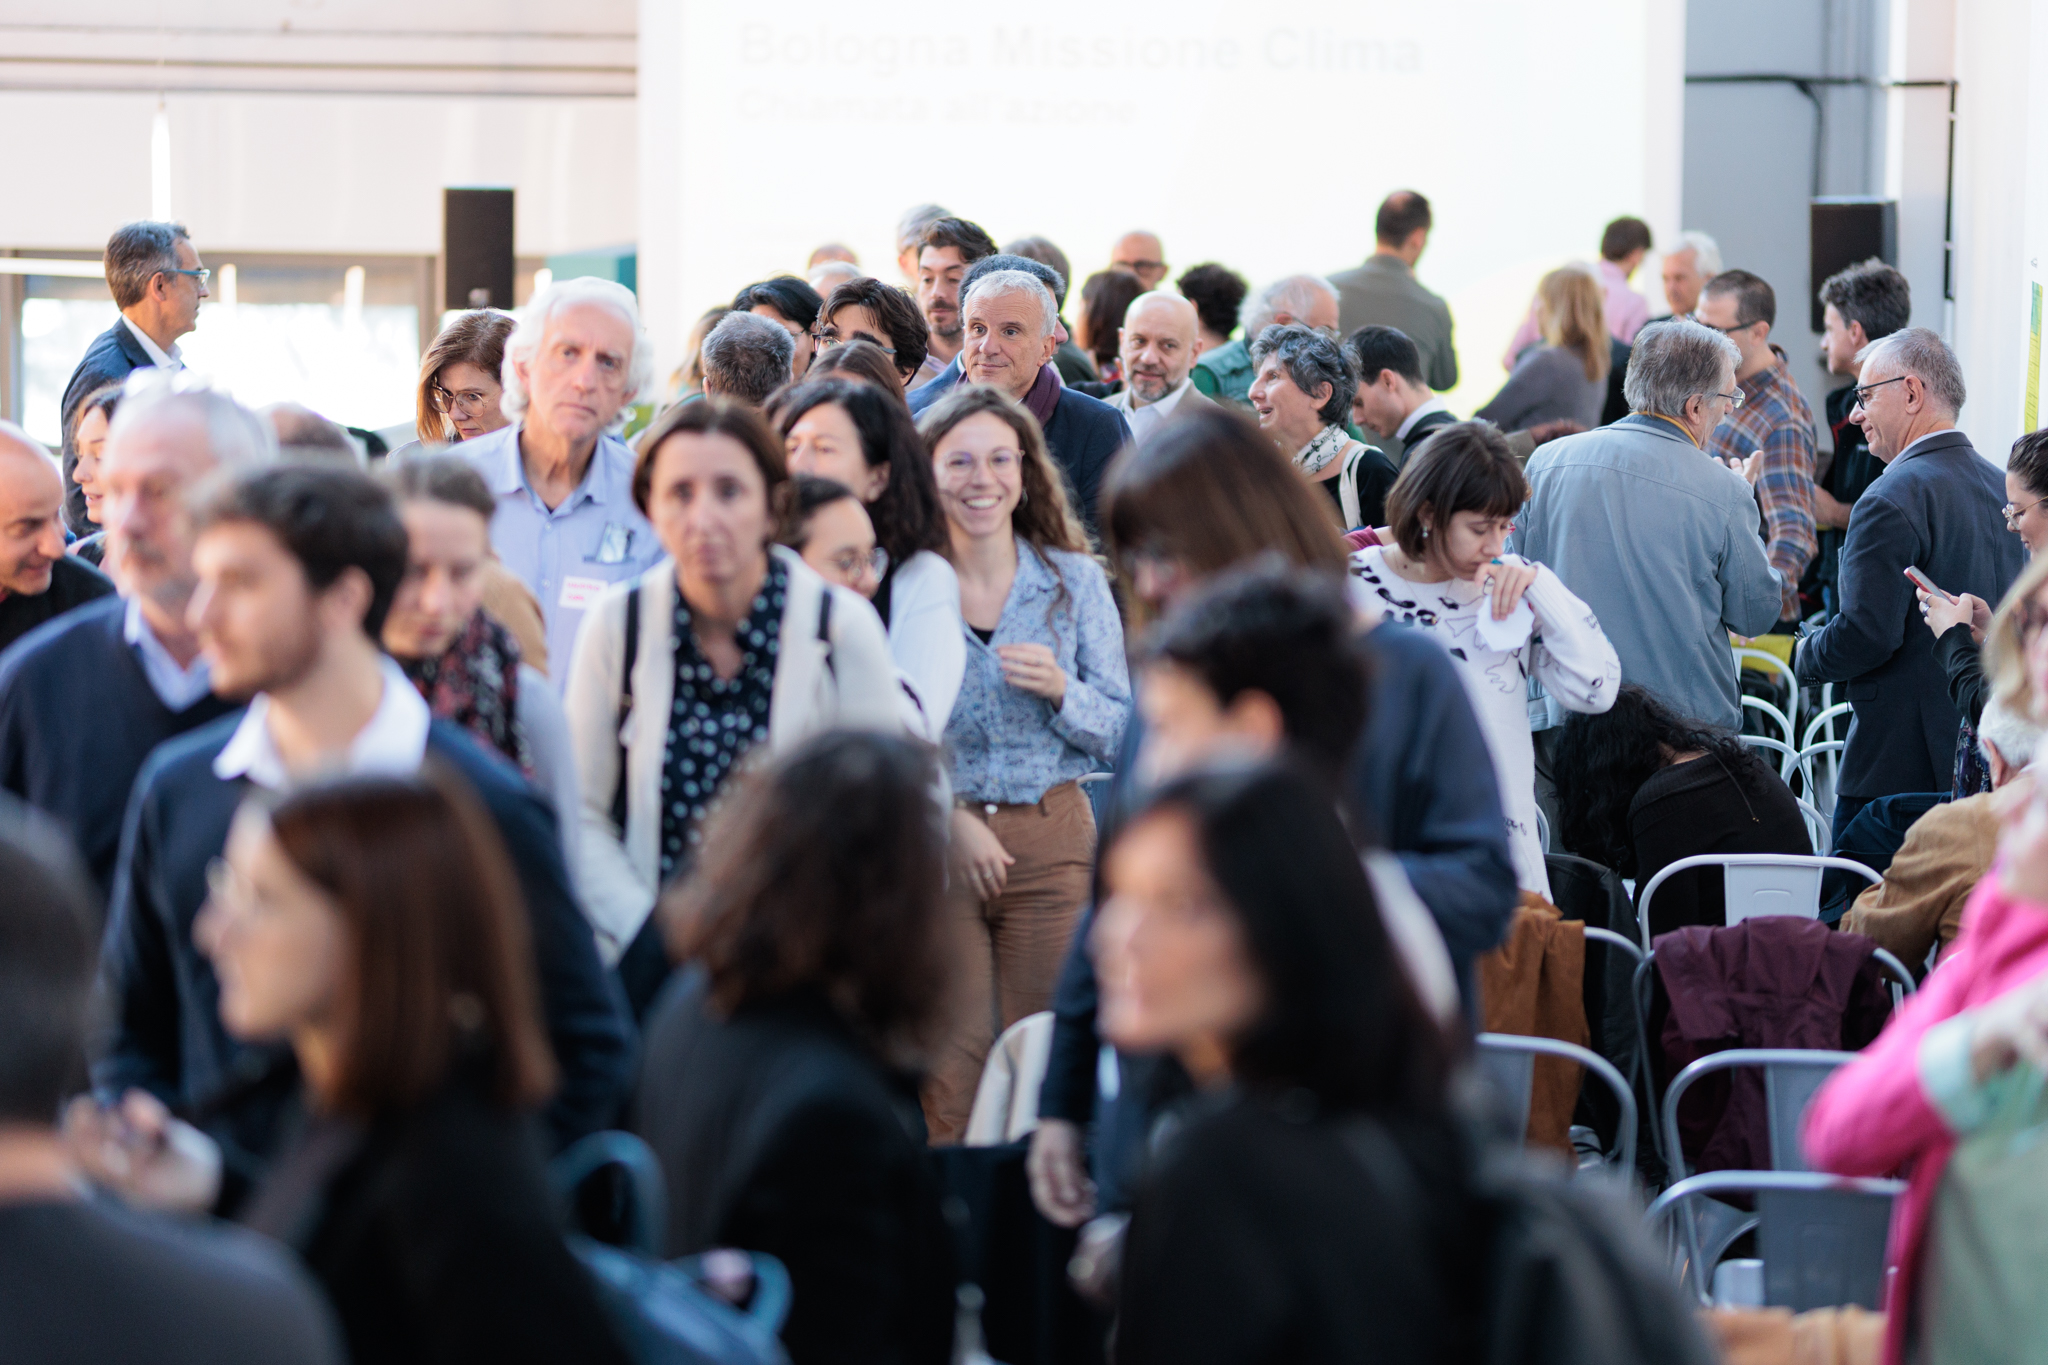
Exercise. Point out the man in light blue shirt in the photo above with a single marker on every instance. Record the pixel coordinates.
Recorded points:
(566, 524)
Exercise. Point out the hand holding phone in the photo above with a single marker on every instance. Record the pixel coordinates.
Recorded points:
(1926, 584)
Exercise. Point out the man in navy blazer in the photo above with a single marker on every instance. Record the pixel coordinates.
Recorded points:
(1011, 330)
(297, 566)
(154, 272)
(1938, 508)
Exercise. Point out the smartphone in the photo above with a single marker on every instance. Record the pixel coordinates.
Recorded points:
(1922, 581)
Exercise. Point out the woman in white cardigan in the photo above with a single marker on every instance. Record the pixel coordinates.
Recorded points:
(851, 432)
(1504, 619)
(734, 644)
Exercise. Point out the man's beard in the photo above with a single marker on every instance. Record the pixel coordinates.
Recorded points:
(951, 330)
(1150, 387)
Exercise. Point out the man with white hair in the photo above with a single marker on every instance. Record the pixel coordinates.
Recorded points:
(1948, 849)
(1159, 343)
(1938, 508)
(1226, 373)
(1655, 537)
(1011, 331)
(567, 526)
(1687, 268)
(84, 699)
(38, 581)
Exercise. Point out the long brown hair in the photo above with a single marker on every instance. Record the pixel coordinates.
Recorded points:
(824, 872)
(1572, 311)
(441, 966)
(474, 338)
(1209, 490)
(1045, 515)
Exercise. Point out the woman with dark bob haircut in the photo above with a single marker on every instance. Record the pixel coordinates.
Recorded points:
(884, 316)
(779, 1086)
(1641, 786)
(1314, 1206)
(850, 432)
(375, 925)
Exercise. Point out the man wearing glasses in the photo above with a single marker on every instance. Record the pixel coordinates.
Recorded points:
(1937, 508)
(1773, 425)
(157, 281)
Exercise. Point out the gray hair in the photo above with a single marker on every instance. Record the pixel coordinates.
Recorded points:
(306, 437)
(2008, 729)
(1676, 360)
(136, 254)
(236, 437)
(1293, 295)
(1706, 252)
(1924, 355)
(1021, 282)
(533, 323)
(1311, 360)
(746, 357)
(914, 221)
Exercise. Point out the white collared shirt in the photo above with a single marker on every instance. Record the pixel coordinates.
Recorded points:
(173, 359)
(1408, 422)
(1146, 418)
(392, 744)
(178, 686)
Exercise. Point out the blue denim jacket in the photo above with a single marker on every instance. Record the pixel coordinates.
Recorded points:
(1010, 746)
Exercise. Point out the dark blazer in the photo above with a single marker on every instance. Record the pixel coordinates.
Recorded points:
(930, 392)
(1937, 507)
(166, 1031)
(780, 1131)
(436, 1236)
(77, 719)
(1267, 1232)
(111, 356)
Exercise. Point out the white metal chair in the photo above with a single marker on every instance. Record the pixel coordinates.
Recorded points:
(1788, 757)
(1543, 830)
(1510, 1060)
(1819, 828)
(1821, 1237)
(1786, 730)
(1748, 656)
(1757, 884)
(1824, 722)
(1819, 781)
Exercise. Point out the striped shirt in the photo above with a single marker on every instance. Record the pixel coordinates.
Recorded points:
(1774, 418)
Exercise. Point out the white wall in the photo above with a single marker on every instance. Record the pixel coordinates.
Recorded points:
(1261, 138)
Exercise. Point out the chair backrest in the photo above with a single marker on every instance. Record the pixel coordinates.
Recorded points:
(1782, 723)
(1818, 827)
(1791, 1076)
(1763, 661)
(1787, 756)
(1821, 1237)
(1542, 829)
(1825, 721)
(1509, 1060)
(1820, 770)
(1758, 883)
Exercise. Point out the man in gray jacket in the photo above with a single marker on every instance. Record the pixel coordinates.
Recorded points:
(1655, 535)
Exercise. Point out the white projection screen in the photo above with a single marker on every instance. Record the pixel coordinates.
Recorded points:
(1259, 135)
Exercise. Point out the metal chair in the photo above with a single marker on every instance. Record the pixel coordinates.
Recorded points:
(1820, 830)
(1510, 1060)
(1748, 656)
(1543, 829)
(1757, 884)
(1824, 719)
(1772, 714)
(1821, 791)
(1788, 757)
(1821, 1237)
(1791, 1076)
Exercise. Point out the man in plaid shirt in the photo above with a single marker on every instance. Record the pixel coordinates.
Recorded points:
(1773, 423)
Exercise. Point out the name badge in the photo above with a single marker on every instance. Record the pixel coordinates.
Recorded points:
(615, 544)
(579, 593)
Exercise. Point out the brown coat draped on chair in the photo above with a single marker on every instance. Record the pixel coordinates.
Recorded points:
(1533, 985)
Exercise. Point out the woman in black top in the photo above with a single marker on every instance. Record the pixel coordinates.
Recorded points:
(776, 1087)
(1640, 787)
(1314, 1205)
(375, 924)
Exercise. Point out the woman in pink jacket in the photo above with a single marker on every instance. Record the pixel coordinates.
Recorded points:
(1949, 1066)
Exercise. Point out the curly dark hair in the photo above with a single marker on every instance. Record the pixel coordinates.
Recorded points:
(907, 514)
(1603, 761)
(824, 873)
(1217, 292)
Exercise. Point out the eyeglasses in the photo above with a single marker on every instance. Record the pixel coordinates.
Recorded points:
(1727, 331)
(854, 564)
(1862, 391)
(827, 340)
(2013, 512)
(1734, 399)
(467, 401)
(202, 275)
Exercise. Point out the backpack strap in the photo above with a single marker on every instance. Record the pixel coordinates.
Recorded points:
(625, 708)
(1347, 487)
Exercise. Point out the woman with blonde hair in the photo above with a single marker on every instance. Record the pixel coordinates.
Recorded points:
(1043, 702)
(1564, 379)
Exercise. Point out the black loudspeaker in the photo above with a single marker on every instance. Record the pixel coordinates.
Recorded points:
(476, 248)
(1847, 230)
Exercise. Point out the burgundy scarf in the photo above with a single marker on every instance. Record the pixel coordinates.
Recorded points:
(1044, 397)
(476, 685)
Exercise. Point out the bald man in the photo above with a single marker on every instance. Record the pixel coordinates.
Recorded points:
(38, 580)
(1143, 255)
(1160, 338)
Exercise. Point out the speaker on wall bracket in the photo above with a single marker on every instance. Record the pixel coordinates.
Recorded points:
(476, 248)
(1848, 229)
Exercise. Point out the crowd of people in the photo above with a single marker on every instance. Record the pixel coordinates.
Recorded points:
(1134, 748)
